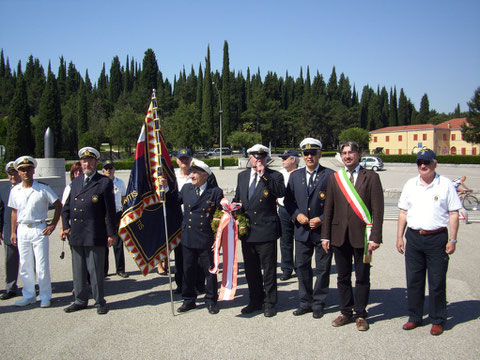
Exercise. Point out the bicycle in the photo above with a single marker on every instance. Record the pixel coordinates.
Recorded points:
(469, 201)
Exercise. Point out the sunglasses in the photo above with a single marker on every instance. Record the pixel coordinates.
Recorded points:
(309, 152)
(421, 162)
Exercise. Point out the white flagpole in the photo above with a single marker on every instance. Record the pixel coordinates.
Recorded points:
(161, 190)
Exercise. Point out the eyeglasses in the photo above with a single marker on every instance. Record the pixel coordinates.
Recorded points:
(421, 162)
(309, 152)
(108, 167)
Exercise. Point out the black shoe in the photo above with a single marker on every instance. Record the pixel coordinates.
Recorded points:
(74, 307)
(186, 307)
(270, 311)
(251, 308)
(123, 274)
(213, 309)
(317, 314)
(301, 311)
(8, 295)
(102, 309)
(286, 275)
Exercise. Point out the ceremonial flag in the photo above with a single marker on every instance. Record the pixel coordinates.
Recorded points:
(142, 227)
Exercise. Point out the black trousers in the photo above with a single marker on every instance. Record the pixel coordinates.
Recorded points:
(312, 297)
(350, 301)
(11, 267)
(200, 277)
(286, 240)
(192, 259)
(258, 255)
(117, 249)
(425, 255)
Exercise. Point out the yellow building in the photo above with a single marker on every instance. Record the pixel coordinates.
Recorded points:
(445, 139)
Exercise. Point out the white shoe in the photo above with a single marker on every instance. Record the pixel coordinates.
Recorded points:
(24, 302)
(45, 303)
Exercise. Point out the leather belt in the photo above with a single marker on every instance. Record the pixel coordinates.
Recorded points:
(33, 224)
(428, 232)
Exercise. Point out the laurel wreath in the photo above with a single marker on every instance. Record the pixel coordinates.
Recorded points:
(242, 220)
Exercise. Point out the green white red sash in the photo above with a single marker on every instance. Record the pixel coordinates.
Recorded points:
(358, 206)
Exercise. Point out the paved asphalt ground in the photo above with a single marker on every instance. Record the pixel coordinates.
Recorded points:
(140, 323)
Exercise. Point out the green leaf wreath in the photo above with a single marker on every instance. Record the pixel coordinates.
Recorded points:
(242, 221)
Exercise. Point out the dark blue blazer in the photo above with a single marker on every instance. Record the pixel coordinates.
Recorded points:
(300, 199)
(198, 213)
(90, 211)
(261, 209)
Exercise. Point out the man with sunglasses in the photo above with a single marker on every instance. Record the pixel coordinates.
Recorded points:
(352, 228)
(304, 200)
(428, 205)
(258, 189)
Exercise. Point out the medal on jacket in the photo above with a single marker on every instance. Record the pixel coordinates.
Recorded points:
(94, 198)
(266, 193)
(321, 195)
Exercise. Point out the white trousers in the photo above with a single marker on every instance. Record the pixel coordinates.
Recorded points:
(33, 251)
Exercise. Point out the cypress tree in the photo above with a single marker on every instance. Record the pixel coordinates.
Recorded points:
(308, 84)
(49, 116)
(149, 74)
(116, 81)
(364, 101)
(423, 116)
(73, 80)
(82, 116)
(403, 116)
(393, 115)
(199, 93)
(191, 87)
(332, 87)
(226, 84)
(207, 106)
(62, 80)
(35, 80)
(19, 139)
(248, 89)
(102, 81)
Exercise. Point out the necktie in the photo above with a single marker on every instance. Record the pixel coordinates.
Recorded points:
(197, 191)
(85, 182)
(251, 189)
(351, 177)
(312, 179)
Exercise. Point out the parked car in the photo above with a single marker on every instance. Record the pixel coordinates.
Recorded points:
(371, 162)
(216, 152)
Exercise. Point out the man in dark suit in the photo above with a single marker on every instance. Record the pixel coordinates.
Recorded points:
(258, 189)
(304, 200)
(11, 251)
(200, 199)
(88, 220)
(344, 232)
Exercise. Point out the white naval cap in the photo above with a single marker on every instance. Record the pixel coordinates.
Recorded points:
(200, 165)
(310, 144)
(25, 161)
(10, 166)
(258, 150)
(88, 151)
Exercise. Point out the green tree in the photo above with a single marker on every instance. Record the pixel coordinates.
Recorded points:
(124, 127)
(116, 80)
(393, 113)
(423, 116)
(49, 116)
(19, 139)
(226, 106)
(403, 115)
(332, 87)
(361, 136)
(244, 139)
(207, 106)
(82, 118)
(471, 131)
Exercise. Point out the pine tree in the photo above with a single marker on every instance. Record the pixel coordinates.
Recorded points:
(49, 116)
(19, 139)
(226, 85)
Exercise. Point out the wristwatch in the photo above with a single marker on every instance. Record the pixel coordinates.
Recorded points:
(452, 240)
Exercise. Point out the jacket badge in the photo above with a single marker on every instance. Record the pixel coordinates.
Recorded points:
(266, 193)
(322, 195)
(94, 198)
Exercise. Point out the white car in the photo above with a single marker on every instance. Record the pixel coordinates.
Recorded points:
(371, 162)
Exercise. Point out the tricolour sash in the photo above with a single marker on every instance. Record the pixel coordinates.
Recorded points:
(358, 207)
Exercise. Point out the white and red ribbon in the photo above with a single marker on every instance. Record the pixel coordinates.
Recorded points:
(226, 237)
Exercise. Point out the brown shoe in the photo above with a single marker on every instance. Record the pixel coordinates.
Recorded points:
(410, 325)
(362, 324)
(436, 329)
(342, 320)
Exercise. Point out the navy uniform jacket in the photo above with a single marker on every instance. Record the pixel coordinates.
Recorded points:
(90, 211)
(308, 201)
(261, 209)
(197, 232)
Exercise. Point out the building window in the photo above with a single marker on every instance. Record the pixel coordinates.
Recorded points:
(399, 151)
(464, 151)
(415, 137)
(474, 151)
(399, 137)
(445, 137)
(387, 138)
(453, 136)
(374, 139)
(453, 150)
(424, 137)
(387, 151)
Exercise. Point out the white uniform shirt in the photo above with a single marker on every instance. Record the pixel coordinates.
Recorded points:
(428, 206)
(119, 189)
(31, 203)
(181, 180)
(355, 173)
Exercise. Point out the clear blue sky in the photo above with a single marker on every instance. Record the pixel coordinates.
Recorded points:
(423, 46)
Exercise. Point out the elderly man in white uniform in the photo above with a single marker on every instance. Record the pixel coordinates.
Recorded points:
(428, 205)
(29, 202)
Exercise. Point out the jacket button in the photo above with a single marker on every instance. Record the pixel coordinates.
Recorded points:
(189, 219)
(201, 216)
(254, 213)
(308, 209)
(201, 223)
(191, 213)
(74, 219)
(76, 198)
(189, 227)
(255, 223)
(261, 200)
(74, 209)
